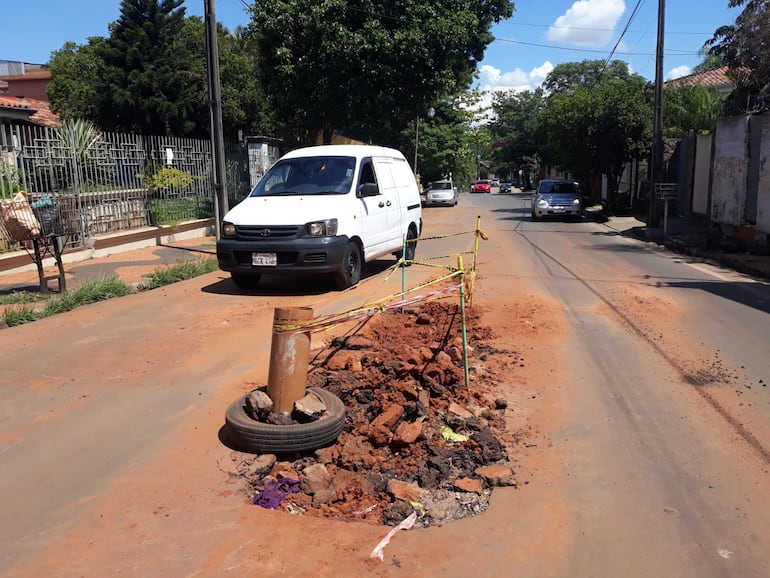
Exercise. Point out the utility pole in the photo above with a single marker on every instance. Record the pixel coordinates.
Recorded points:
(215, 107)
(656, 174)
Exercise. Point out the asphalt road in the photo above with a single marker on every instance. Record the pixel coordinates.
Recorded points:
(649, 382)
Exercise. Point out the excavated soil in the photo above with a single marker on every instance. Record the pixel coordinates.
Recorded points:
(416, 436)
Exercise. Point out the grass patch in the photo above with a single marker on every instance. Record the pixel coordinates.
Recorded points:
(20, 311)
(14, 316)
(22, 298)
(179, 272)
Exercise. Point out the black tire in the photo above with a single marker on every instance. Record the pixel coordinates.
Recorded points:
(411, 248)
(245, 281)
(249, 435)
(534, 216)
(352, 267)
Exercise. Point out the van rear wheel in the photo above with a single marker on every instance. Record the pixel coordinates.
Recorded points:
(352, 267)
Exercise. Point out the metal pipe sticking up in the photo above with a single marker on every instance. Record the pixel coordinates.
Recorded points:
(289, 357)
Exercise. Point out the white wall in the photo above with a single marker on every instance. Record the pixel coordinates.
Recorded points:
(731, 160)
(702, 174)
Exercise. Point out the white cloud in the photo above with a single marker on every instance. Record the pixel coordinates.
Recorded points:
(587, 23)
(678, 72)
(492, 79)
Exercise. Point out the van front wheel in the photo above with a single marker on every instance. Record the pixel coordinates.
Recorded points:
(352, 267)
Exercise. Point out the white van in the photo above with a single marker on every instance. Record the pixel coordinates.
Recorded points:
(323, 209)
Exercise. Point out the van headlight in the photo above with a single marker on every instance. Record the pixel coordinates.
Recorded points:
(228, 229)
(327, 228)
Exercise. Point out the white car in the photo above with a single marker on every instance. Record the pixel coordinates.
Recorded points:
(441, 193)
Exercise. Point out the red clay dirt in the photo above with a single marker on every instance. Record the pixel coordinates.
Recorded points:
(177, 515)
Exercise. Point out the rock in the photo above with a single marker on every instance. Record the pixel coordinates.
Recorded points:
(501, 403)
(315, 478)
(423, 319)
(311, 406)
(491, 449)
(261, 466)
(459, 411)
(379, 431)
(347, 483)
(425, 354)
(444, 361)
(357, 342)
(424, 398)
(408, 432)
(406, 491)
(279, 418)
(456, 354)
(497, 475)
(350, 360)
(469, 485)
(259, 404)
(329, 454)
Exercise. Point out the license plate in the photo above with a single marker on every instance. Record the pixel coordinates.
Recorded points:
(264, 259)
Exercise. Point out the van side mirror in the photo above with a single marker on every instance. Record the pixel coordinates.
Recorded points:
(368, 190)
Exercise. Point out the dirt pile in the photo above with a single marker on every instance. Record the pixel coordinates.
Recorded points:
(415, 436)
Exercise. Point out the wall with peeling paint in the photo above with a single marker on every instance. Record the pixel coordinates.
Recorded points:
(731, 166)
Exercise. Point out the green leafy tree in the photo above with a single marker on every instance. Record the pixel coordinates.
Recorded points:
(599, 128)
(568, 76)
(75, 72)
(151, 83)
(691, 108)
(745, 47)
(519, 141)
(367, 69)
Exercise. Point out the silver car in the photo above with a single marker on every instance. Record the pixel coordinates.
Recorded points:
(441, 193)
(557, 198)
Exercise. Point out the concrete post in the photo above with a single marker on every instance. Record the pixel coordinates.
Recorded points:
(289, 357)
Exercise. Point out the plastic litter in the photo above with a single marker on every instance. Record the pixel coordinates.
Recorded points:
(405, 525)
(451, 436)
(275, 492)
(419, 508)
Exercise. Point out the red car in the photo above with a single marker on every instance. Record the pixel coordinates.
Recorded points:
(482, 186)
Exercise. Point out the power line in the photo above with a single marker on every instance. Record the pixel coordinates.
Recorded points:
(633, 15)
(594, 51)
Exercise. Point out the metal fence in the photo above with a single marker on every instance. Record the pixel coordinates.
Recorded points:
(111, 182)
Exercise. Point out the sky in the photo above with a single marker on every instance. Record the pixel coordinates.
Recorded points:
(540, 35)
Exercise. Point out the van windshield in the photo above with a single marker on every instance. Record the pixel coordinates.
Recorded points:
(322, 175)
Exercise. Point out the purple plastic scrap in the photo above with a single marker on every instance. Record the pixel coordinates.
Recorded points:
(275, 492)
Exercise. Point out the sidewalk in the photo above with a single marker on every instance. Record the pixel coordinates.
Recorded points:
(128, 257)
(692, 240)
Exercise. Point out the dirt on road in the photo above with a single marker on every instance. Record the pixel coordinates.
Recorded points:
(187, 509)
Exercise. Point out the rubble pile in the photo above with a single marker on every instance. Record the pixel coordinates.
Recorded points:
(416, 438)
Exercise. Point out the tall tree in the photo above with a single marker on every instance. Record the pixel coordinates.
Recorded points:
(150, 82)
(369, 68)
(75, 73)
(745, 47)
(600, 128)
(568, 76)
(516, 130)
(691, 108)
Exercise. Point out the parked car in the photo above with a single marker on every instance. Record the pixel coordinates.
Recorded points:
(505, 187)
(557, 198)
(481, 186)
(495, 182)
(515, 182)
(441, 193)
(323, 209)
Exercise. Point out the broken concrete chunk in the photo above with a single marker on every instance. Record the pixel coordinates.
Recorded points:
(497, 475)
(408, 432)
(406, 491)
(311, 406)
(261, 466)
(469, 485)
(259, 404)
(315, 478)
(459, 411)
